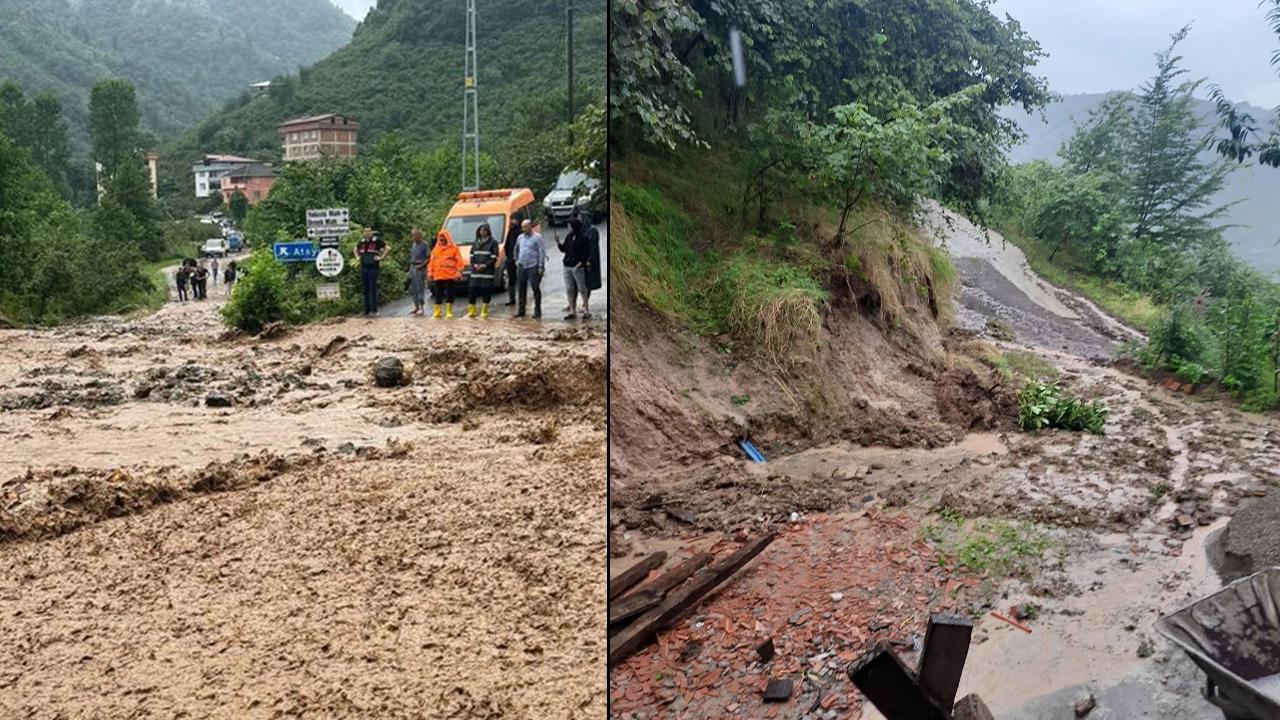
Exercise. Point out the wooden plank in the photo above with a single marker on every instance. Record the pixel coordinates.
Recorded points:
(676, 575)
(971, 707)
(632, 605)
(946, 646)
(645, 628)
(623, 581)
(891, 687)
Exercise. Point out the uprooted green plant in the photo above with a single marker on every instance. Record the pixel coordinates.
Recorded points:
(1044, 405)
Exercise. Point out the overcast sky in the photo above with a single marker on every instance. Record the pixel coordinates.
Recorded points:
(1101, 45)
(355, 8)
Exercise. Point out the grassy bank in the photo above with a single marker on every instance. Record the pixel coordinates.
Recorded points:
(681, 249)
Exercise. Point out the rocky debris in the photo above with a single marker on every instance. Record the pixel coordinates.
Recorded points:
(684, 515)
(190, 383)
(1085, 705)
(540, 381)
(1024, 611)
(1249, 542)
(219, 399)
(453, 360)
(334, 346)
(51, 392)
(543, 433)
(50, 502)
(389, 372)
(784, 597)
(850, 472)
(273, 330)
(971, 402)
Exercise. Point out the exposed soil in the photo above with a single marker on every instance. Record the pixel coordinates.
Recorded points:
(317, 547)
(901, 440)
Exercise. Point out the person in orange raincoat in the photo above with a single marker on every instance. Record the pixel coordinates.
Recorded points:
(444, 270)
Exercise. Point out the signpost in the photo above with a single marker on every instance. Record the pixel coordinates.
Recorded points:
(328, 225)
(329, 262)
(294, 252)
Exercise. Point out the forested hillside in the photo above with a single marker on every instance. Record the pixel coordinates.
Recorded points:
(1249, 189)
(403, 70)
(186, 57)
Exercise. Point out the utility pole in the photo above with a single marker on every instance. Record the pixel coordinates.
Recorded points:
(470, 106)
(569, 46)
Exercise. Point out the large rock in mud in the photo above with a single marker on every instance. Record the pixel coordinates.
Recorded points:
(219, 399)
(388, 372)
(1250, 542)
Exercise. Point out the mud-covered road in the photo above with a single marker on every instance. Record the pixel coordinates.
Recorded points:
(195, 523)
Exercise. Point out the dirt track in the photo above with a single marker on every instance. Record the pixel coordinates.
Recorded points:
(322, 548)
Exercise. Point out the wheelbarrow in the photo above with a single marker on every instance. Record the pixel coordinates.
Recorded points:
(1233, 635)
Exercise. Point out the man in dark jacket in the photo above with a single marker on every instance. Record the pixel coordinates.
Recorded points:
(575, 273)
(590, 263)
(509, 255)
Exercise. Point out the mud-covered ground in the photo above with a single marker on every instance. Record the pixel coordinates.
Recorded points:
(1112, 528)
(311, 544)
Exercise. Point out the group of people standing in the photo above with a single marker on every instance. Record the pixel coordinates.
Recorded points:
(521, 259)
(192, 278)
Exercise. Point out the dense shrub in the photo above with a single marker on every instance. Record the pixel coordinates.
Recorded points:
(1043, 405)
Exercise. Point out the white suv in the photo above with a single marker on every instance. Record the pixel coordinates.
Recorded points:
(574, 190)
(214, 247)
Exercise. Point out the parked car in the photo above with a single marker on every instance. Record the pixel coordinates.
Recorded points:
(235, 242)
(574, 190)
(214, 247)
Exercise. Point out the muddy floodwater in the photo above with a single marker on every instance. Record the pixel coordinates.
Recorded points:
(195, 523)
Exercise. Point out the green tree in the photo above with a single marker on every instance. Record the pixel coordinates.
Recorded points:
(238, 206)
(861, 159)
(1173, 189)
(129, 188)
(37, 125)
(113, 124)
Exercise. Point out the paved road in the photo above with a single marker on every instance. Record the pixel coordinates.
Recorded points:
(553, 298)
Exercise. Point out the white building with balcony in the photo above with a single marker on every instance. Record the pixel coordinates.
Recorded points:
(209, 172)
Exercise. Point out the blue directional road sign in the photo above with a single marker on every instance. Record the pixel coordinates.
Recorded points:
(295, 251)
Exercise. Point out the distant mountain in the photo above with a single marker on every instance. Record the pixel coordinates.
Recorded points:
(1257, 188)
(403, 70)
(186, 57)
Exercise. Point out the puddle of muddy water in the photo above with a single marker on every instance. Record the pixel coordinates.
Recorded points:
(1092, 638)
(983, 444)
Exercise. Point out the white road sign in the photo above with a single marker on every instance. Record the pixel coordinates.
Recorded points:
(328, 222)
(328, 291)
(329, 262)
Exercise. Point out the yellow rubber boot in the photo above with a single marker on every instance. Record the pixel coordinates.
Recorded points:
(471, 311)
(448, 310)
(436, 314)
(484, 311)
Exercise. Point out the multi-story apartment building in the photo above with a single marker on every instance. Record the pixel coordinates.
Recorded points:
(321, 136)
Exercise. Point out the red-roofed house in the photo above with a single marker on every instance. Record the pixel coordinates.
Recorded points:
(254, 180)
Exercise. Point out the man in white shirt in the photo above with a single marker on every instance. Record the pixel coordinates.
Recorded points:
(531, 261)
